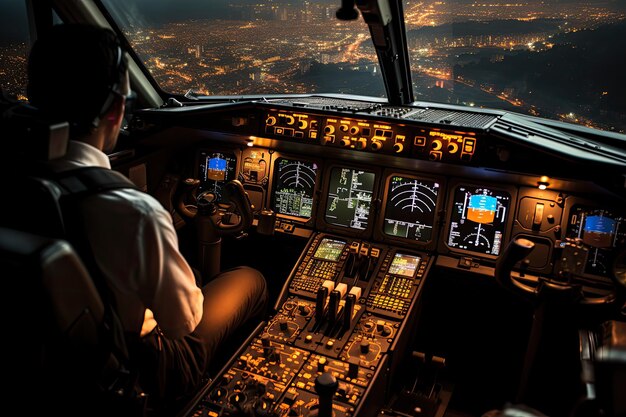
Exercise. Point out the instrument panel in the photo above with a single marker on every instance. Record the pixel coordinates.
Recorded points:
(434, 144)
(457, 217)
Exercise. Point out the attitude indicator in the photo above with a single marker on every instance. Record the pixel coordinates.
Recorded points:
(478, 219)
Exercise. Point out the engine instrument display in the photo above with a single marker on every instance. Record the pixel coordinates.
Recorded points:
(411, 207)
(404, 265)
(329, 249)
(216, 168)
(294, 187)
(600, 230)
(349, 197)
(478, 219)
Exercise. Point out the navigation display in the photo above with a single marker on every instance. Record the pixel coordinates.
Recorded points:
(294, 188)
(329, 249)
(349, 197)
(216, 168)
(404, 265)
(600, 230)
(411, 207)
(478, 219)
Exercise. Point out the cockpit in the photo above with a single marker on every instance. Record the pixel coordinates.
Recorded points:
(435, 192)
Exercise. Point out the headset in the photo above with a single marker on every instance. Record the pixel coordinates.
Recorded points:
(115, 89)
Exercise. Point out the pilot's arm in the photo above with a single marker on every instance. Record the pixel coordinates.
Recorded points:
(170, 291)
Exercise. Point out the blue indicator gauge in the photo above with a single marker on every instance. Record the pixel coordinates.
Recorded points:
(478, 219)
(216, 169)
(602, 231)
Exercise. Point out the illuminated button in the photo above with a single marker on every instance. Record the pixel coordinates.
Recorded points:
(376, 145)
(453, 148)
(321, 364)
(279, 131)
(290, 119)
(271, 121)
(308, 338)
(303, 124)
(468, 145)
(419, 141)
(361, 143)
(327, 139)
(345, 142)
(330, 344)
(434, 156)
(329, 129)
(398, 147)
(313, 134)
(436, 145)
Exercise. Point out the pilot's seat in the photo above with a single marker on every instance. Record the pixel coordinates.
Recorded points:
(57, 358)
(66, 345)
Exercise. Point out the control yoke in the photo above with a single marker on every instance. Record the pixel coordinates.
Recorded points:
(572, 259)
(237, 204)
(214, 220)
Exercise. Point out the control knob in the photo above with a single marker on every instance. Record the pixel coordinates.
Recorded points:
(376, 145)
(271, 121)
(398, 147)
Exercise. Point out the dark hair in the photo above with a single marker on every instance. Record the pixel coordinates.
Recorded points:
(71, 71)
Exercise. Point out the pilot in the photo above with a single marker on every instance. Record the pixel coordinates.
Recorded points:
(79, 73)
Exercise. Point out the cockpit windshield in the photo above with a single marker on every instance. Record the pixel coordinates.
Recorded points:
(557, 59)
(250, 47)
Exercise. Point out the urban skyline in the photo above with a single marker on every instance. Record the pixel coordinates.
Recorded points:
(281, 47)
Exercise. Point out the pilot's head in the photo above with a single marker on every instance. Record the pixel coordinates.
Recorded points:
(78, 73)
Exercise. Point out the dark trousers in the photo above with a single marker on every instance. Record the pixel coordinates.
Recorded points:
(172, 369)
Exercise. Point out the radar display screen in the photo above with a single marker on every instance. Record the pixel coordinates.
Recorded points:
(478, 219)
(329, 249)
(216, 168)
(600, 230)
(411, 208)
(404, 265)
(349, 197)
(295, 185)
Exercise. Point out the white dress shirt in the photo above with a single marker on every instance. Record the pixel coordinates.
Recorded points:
(136, 247)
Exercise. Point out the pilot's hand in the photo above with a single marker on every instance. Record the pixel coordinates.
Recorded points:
(149, 323)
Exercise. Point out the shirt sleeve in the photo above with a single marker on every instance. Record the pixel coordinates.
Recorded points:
(173, 295)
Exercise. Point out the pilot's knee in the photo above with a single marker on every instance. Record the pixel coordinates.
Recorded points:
(251, 281)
